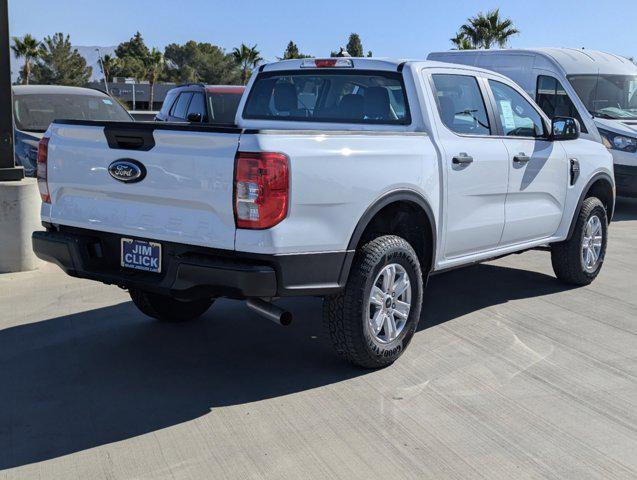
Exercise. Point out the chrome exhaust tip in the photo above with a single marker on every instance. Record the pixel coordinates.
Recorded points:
(270, 311)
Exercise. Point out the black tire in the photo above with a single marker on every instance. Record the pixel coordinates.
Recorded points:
(168, 309)
(566, 256)
(346, 315)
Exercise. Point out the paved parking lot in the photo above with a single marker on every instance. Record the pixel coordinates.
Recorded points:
(512, 375)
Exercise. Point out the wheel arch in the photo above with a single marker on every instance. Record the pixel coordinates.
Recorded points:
(407, 201)
(600, 185)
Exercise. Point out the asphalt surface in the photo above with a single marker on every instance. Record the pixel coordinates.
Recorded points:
(511, 375)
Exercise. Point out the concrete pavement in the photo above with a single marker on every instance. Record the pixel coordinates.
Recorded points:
(512, 375)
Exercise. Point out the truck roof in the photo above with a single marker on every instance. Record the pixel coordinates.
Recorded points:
(366, 63)
(569, 60)
(382, 64)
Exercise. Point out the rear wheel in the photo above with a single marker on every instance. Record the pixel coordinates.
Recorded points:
(373, 319)
(579, 260)
(168, 309)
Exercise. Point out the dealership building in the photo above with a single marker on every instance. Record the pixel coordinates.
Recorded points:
(135, 94)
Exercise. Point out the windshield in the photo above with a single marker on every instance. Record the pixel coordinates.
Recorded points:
(355, 96)
(34, 112)
(607, 96)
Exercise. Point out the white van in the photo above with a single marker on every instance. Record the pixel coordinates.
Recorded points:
(599, 89)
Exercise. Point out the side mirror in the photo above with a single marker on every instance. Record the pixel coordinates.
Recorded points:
(194, 117)
(564, 128)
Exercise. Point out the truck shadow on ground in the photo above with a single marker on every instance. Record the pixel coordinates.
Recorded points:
(625, 210)
(101, 376)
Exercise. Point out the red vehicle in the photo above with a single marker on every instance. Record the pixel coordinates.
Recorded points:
(199, 103)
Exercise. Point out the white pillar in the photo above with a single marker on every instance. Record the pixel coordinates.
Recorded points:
(19, 217)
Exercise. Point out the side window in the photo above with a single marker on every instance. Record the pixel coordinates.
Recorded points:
(554, 101)
(181, 105)
(461, 105)
(198, 105)
(168, 102)
(518, 117)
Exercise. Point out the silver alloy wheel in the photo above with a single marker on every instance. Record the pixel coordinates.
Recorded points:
(592, 244)
(389, 303)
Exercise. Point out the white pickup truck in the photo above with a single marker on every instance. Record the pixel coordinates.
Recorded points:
(351, 179)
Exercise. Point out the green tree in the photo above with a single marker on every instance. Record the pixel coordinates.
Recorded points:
(292, 51)
(29, 49)
(461, 42)
(354, 46)
(60, 63)
(135, 47)
(154, 65)
(487, 30)
(342, 52)
(108, 64)
(132, 67)
(247, 58)
(132, 58)
(199, 62)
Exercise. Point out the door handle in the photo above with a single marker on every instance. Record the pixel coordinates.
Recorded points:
(462, 159)
(521, 158)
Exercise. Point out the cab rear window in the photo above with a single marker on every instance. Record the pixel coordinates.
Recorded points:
(355, 96)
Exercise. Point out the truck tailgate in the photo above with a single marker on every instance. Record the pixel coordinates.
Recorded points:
(185, 196)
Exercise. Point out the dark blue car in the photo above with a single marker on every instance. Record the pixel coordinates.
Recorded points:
(36, 106)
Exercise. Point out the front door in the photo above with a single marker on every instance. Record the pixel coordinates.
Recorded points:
(539, 169)
(476, 165)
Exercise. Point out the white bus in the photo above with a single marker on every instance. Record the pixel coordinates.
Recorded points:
(597, 88)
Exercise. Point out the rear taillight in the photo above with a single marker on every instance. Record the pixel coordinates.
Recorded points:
(261, 185)
(43, 184)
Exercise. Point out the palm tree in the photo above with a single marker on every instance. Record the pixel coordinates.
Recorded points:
(29, 49)
(247, 58)
(483, 31)
(154, 64)
(462, 42)
(108, 64)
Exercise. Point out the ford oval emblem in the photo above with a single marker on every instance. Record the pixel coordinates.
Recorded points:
(127, 170)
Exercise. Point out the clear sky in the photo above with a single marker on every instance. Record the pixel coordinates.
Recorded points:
(407, 28)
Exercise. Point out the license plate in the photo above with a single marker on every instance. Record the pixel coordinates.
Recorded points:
(141, 255)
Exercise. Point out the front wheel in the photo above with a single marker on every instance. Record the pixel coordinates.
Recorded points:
(373, 319)
(579, 260)
(168, 309)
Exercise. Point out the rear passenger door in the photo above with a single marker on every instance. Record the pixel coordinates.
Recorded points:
(539, 168)
(475, 161)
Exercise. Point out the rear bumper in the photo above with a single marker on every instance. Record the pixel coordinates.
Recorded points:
(192, 272)
(626, 180)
